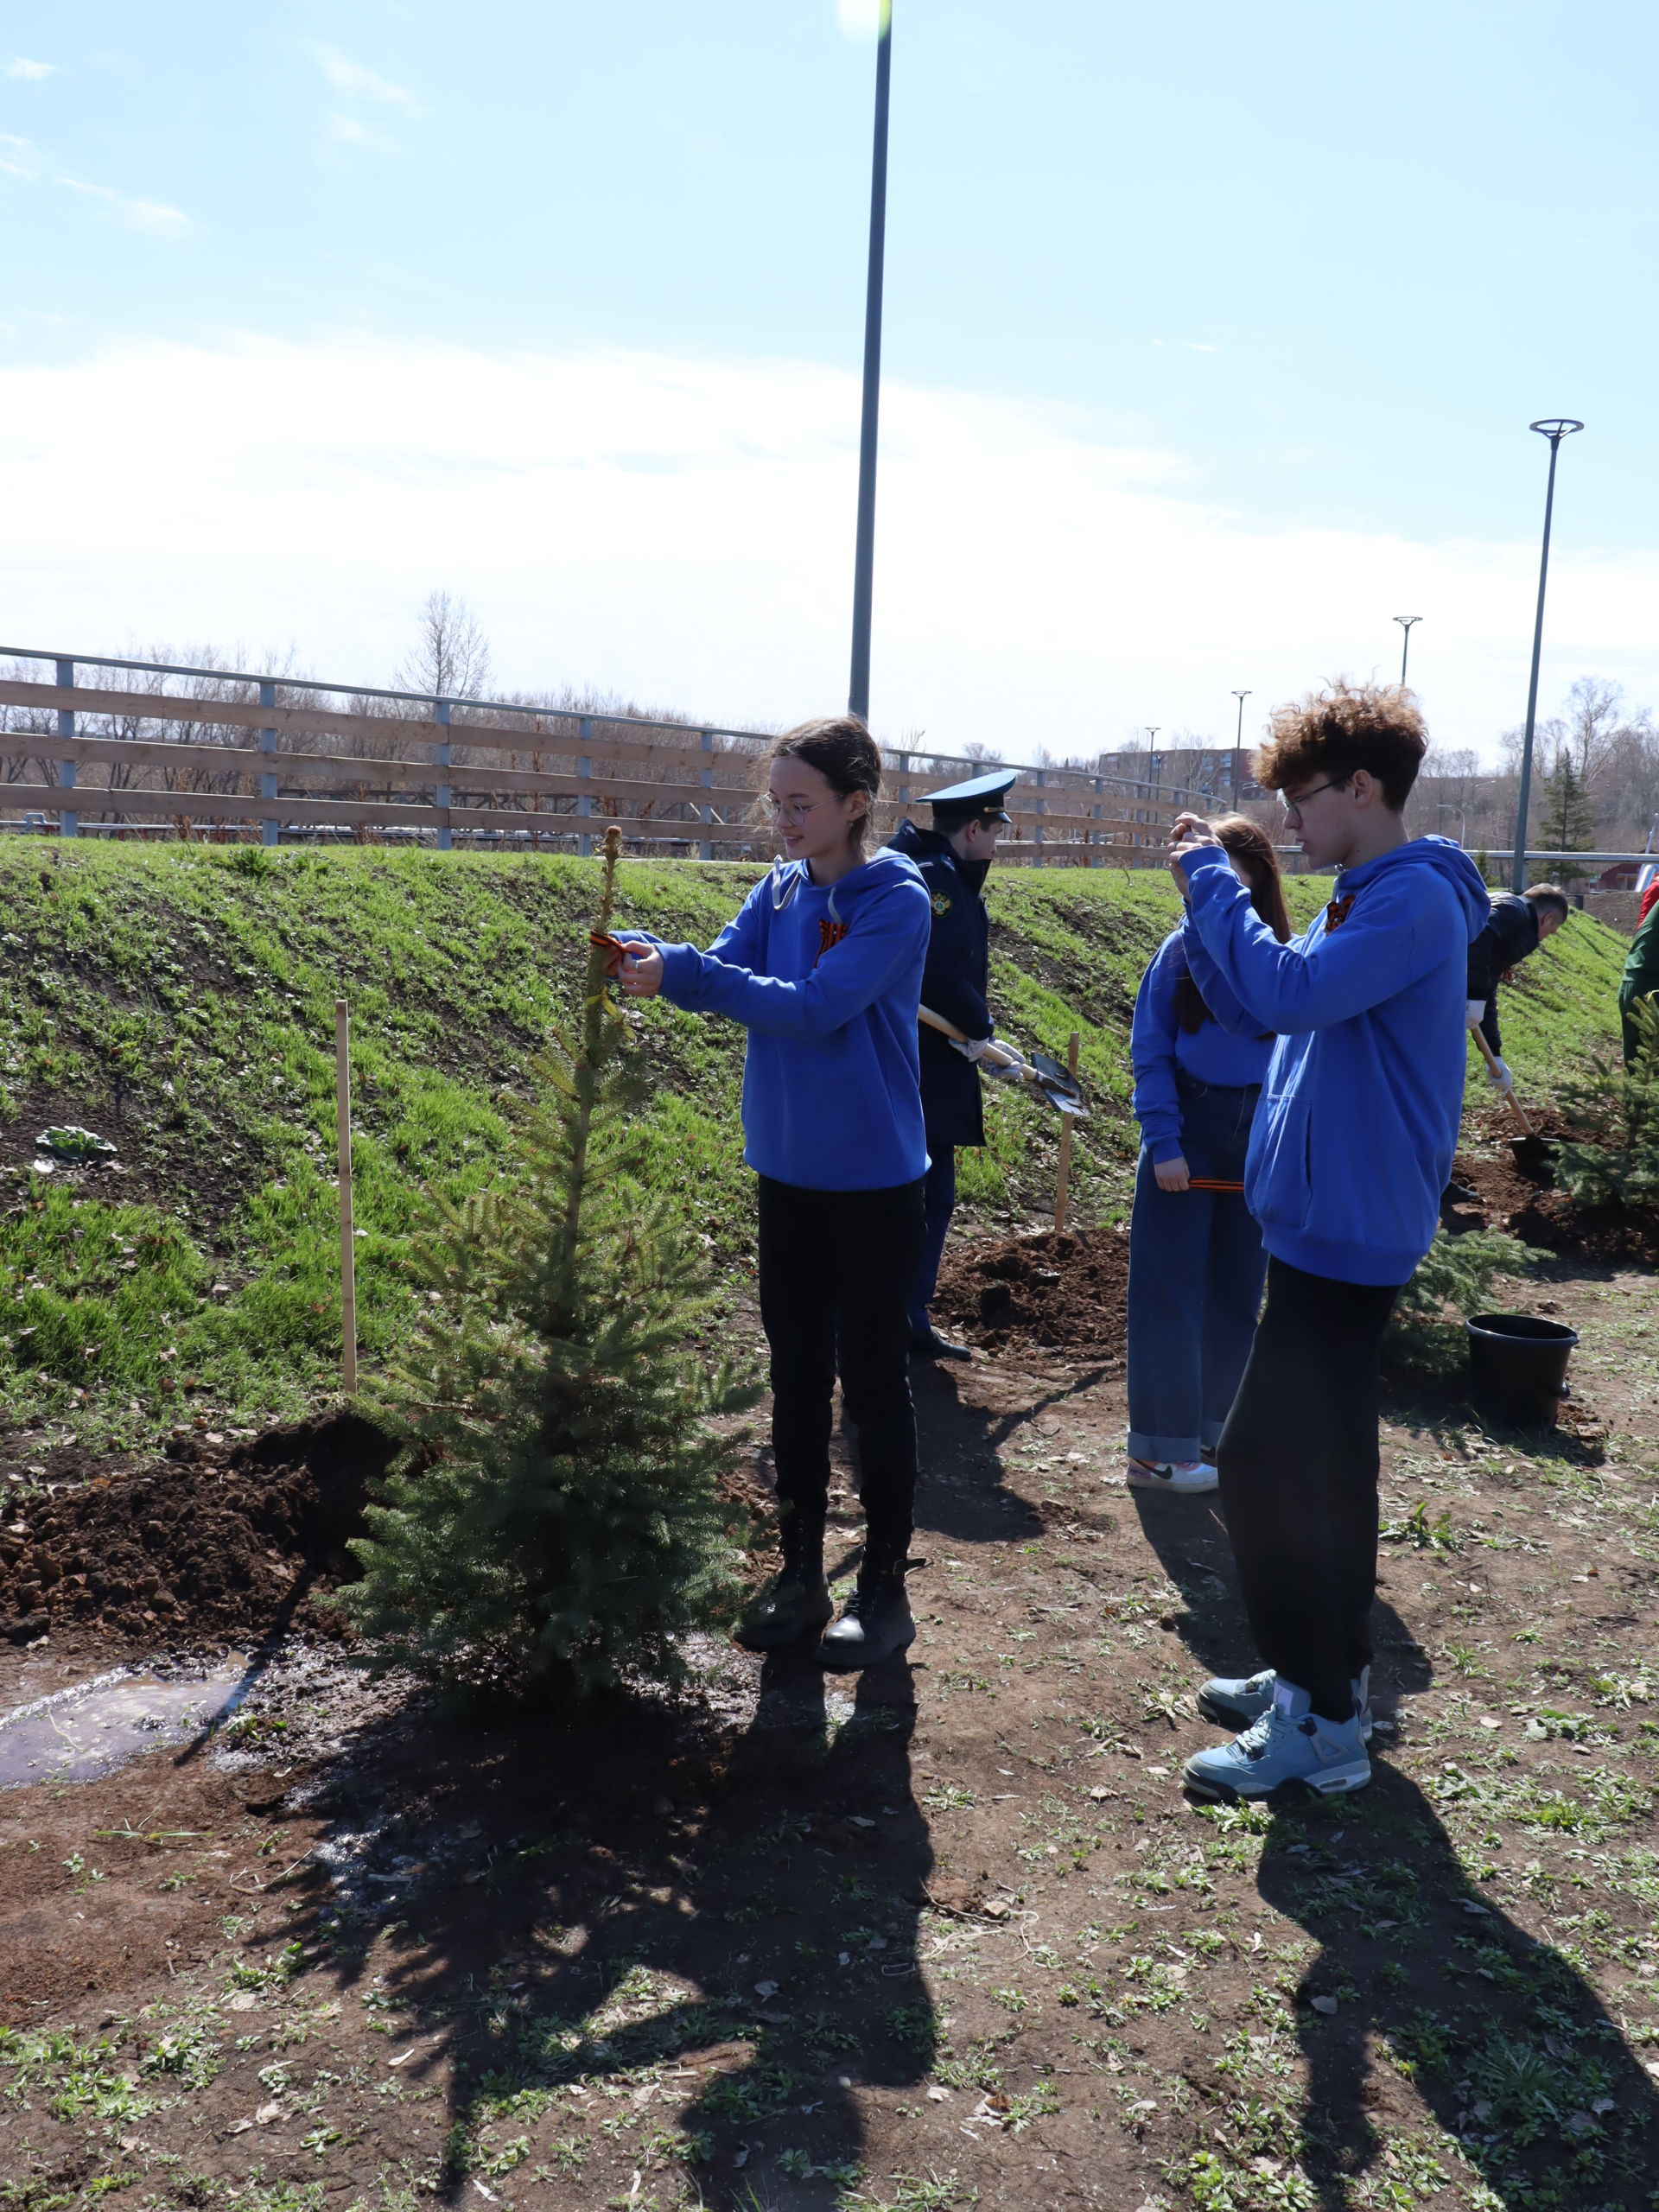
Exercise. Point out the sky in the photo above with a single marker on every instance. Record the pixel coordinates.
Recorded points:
(1212, 341)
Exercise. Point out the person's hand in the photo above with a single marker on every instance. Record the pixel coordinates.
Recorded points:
(1500, 1078)
(1191, 832)
(980, 1048)
(1173, 1174)
(1475, 1012)
(640, 976)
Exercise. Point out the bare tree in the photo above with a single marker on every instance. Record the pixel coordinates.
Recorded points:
(451, 657)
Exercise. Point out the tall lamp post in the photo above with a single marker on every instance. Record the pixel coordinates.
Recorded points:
(1405, 622)
(1238, 750)
(1555, 428)
(858, 697)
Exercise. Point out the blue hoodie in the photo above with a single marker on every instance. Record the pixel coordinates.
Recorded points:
(827, 982)
(1359, 1117)
(1229, 1050)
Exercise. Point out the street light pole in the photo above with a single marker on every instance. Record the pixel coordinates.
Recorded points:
(1238, 750)
(1405, 622)
(1555, 428)
(858, 698)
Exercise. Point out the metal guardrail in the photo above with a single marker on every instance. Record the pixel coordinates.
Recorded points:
(1070, 802)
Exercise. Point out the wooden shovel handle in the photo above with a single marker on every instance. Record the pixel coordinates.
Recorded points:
(1509, 1098)
(1003, 1054)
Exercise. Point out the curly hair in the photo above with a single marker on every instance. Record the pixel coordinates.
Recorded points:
(1331, 734)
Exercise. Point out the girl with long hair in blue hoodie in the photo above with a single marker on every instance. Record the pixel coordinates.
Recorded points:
(1196, 1259)
(823, 964)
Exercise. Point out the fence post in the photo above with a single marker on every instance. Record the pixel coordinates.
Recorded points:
(1098, 810)
(69, 820)
(585, 769)
(1063, 1180)
(1040, 807)
(441, 712)
(269, 829)
(706, 813)
(347, 1235)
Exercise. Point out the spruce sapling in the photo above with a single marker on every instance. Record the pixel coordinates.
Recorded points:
(554, 1524)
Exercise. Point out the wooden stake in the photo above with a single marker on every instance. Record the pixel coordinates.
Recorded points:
(347, 1242)
(1066, 1138)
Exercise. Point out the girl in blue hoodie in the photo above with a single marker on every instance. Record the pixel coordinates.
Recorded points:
(1196, 1259)
(823, 965)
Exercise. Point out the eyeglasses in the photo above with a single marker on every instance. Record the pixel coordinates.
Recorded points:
(794, 815)
(1293, 807)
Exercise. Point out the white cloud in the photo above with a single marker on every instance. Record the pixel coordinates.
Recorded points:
(154, 218)
(354, 81)
(31, 72)
(681, 532)
(336, 129)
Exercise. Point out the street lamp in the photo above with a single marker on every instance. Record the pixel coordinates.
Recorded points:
(1405, 622)
(1238, 750)
(858, 699)
(1555, 428)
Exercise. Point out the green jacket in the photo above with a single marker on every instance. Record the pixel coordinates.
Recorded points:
(1642, 968)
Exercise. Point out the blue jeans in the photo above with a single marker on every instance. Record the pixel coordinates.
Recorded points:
(1196, 1271)
(940, 1198)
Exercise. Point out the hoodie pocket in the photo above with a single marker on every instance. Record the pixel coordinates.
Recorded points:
(1280, 1171)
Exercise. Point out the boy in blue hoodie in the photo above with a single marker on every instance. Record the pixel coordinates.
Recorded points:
(1350, 1151)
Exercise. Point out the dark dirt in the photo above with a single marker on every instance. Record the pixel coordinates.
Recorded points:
(1514, 1183)
(211, 1540)
(1054, 1289)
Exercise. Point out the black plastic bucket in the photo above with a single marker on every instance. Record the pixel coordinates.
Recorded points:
(1517, 1365)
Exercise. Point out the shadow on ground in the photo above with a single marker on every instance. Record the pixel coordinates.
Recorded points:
(721, 1952)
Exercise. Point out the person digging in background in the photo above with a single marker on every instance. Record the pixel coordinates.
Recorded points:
(1196, 1260)
(1349, 1154)
(823, 965)
(1640, 979)
(955, 857)
(1518, 924)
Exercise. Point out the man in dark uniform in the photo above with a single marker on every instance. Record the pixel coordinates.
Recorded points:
(954, 856)
(1520, 923)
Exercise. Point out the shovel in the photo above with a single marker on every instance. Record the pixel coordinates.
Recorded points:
(1530, 1146)
(1007, 1065)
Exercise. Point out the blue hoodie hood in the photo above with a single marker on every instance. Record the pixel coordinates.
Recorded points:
(1360, 1108)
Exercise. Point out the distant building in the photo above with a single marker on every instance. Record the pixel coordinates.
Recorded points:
(1204, 771)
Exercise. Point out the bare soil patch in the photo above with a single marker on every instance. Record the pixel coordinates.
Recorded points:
(1051, 1290)
(213, 1539)
(1514, 1191)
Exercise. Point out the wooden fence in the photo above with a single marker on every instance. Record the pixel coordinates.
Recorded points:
(222, 767)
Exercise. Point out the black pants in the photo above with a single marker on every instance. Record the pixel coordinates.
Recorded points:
(837, 1270)
(1297, 1462)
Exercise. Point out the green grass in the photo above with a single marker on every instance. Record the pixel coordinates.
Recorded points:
(180, 999)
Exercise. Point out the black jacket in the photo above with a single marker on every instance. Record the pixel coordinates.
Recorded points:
(954, 984)
(1510, 936)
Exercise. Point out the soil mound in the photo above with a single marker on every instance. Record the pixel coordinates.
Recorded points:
(210, 1540)
(1053, 1289)
(1514, 1188)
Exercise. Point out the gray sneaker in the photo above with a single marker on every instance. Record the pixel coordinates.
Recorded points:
(1238, 1702)
(793, 1606)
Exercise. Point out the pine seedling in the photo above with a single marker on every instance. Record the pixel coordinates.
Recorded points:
(553, 1524)
(1612, 1157)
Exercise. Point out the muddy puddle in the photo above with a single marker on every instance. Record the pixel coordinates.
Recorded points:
(92, 1728)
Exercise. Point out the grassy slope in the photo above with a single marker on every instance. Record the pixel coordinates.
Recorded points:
(180, 1000)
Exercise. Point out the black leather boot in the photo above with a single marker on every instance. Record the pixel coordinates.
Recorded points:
(796, 1604)
(876, 1620)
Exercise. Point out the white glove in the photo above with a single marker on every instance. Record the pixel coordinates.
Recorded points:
(1500, 1078)
(979, 1048)
(1475, 1012)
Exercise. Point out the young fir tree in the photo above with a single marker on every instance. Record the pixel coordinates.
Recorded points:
(1569, 823)
(1612, 1159)
(554, 1521)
